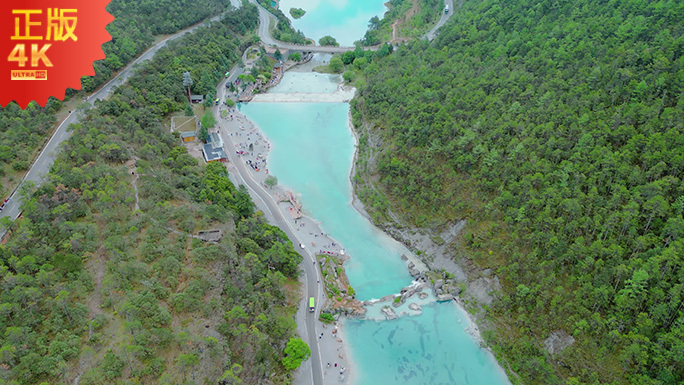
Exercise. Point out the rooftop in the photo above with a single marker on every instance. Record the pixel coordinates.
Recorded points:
(213, 153)
(215, 140)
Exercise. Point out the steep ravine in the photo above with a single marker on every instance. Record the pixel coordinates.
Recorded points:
(437, 247)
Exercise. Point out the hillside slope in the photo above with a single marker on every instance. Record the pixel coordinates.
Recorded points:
(103, 280)
(134, 29)
(556, 129)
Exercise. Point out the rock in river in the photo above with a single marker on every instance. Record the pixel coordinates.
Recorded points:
(389, 312)
(444, 297)
(415, 273)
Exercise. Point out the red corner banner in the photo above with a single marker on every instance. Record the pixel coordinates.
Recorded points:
(46, 46)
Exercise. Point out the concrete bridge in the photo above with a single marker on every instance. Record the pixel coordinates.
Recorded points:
(331, 49)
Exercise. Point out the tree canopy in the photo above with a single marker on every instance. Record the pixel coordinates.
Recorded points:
(296, 351)
(297, 13)
(557, 130)
(133, 30)
(104, 277)
(328, 40)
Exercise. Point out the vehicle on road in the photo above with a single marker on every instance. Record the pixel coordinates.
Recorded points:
(216, 101)
(446, 9)
(312, 308)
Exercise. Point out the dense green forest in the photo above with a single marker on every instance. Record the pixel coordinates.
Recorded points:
(556, 128)
(103, 278)
(137, 22)
(133, 30)
(414, 17)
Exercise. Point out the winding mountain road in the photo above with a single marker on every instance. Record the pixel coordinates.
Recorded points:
(46, 158)
(445, 16)
(265, 18)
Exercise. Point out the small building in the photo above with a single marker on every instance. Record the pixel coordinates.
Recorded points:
(212, 154)
(196, 98)
(215, 140)
(188, 136)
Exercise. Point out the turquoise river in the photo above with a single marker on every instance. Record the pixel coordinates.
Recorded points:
(312, 153)
(312, 149)
(345, 20)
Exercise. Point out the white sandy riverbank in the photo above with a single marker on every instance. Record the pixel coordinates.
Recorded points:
(239, 133)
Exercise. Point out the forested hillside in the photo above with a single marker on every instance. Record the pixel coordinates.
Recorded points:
(133, 31)
(136, 24)
(556, 128)
(412, 18)
(103, 279)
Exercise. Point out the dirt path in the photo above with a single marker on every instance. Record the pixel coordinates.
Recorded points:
(395, 26)
(135, 188)
(394, 30)
(130, 165)
(96, 265)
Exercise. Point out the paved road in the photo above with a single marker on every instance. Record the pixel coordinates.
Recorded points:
(266, 203)
(445, 16)
(46, 158)
(265, 18)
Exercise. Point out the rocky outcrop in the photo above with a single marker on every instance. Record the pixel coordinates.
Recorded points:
(389, 312)
(415, 306)
(444, 286)
(337, 288)
(558, 341)
(353, 308)
(444, 297)
(408, 292)
(482, 289)
(415, 273)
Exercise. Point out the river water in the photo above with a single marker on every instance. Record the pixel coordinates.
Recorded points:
(345, 20)
(312, 150)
